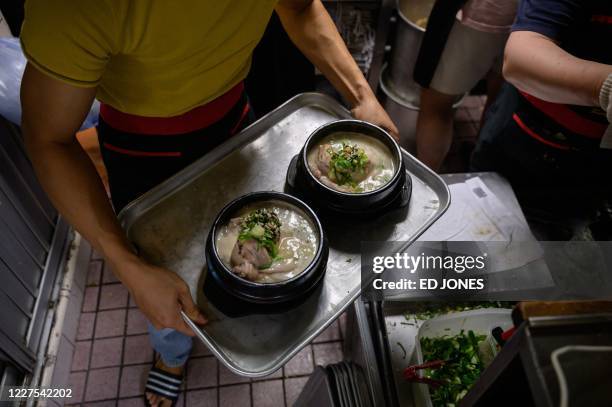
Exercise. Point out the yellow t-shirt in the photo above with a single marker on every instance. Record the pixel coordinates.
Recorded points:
(155, 58)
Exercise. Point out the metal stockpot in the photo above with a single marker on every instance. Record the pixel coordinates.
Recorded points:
(403, 111)
(407, 44)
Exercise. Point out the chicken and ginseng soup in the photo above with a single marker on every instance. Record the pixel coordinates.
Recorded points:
(351, 162)
(267, 242)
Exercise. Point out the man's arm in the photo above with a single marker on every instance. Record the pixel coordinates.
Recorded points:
(312, 30)
(52, 113)
(535, 64)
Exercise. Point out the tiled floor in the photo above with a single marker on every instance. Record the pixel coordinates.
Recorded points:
(112, 357)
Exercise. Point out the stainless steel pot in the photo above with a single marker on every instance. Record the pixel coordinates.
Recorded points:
(408, 40)
(403, 111)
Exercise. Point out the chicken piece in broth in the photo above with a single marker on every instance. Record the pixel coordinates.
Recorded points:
(267, 244)
(351, 162)
(344, 165)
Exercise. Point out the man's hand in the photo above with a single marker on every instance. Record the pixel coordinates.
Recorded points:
(371, 111)
(160, 294)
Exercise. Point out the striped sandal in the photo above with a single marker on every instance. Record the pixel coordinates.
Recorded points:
(164, 384)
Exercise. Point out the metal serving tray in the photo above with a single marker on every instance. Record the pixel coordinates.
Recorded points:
(170, 223)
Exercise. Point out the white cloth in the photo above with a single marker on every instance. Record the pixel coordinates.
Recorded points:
(468, 56)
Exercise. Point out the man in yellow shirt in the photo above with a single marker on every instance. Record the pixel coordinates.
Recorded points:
(169, 76)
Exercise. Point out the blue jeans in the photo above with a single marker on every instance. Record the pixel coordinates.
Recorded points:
(173, 347)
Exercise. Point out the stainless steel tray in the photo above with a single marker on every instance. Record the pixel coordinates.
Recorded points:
(169, 225)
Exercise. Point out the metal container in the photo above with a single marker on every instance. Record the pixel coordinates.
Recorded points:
(408, 39)
(403, 112)
(361, 349)
(169, 226)
(480, 321)
(234, 295)
(393, 195)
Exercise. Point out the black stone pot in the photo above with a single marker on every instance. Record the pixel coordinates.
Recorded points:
(301, 181)
(236, 296)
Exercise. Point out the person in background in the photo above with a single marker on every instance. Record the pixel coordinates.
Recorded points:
(549, 130)
(169, 76)
(452, 62)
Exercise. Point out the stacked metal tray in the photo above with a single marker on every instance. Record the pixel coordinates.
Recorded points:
(169, 224)
(337, 385)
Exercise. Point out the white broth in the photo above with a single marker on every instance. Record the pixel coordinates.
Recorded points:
(297, 243)
(378, 169)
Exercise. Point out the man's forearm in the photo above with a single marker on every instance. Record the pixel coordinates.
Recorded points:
(312, 30)
(52, 111)
(538, 66)
(70, 180)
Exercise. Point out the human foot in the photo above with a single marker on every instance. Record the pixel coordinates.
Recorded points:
(163, 385)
